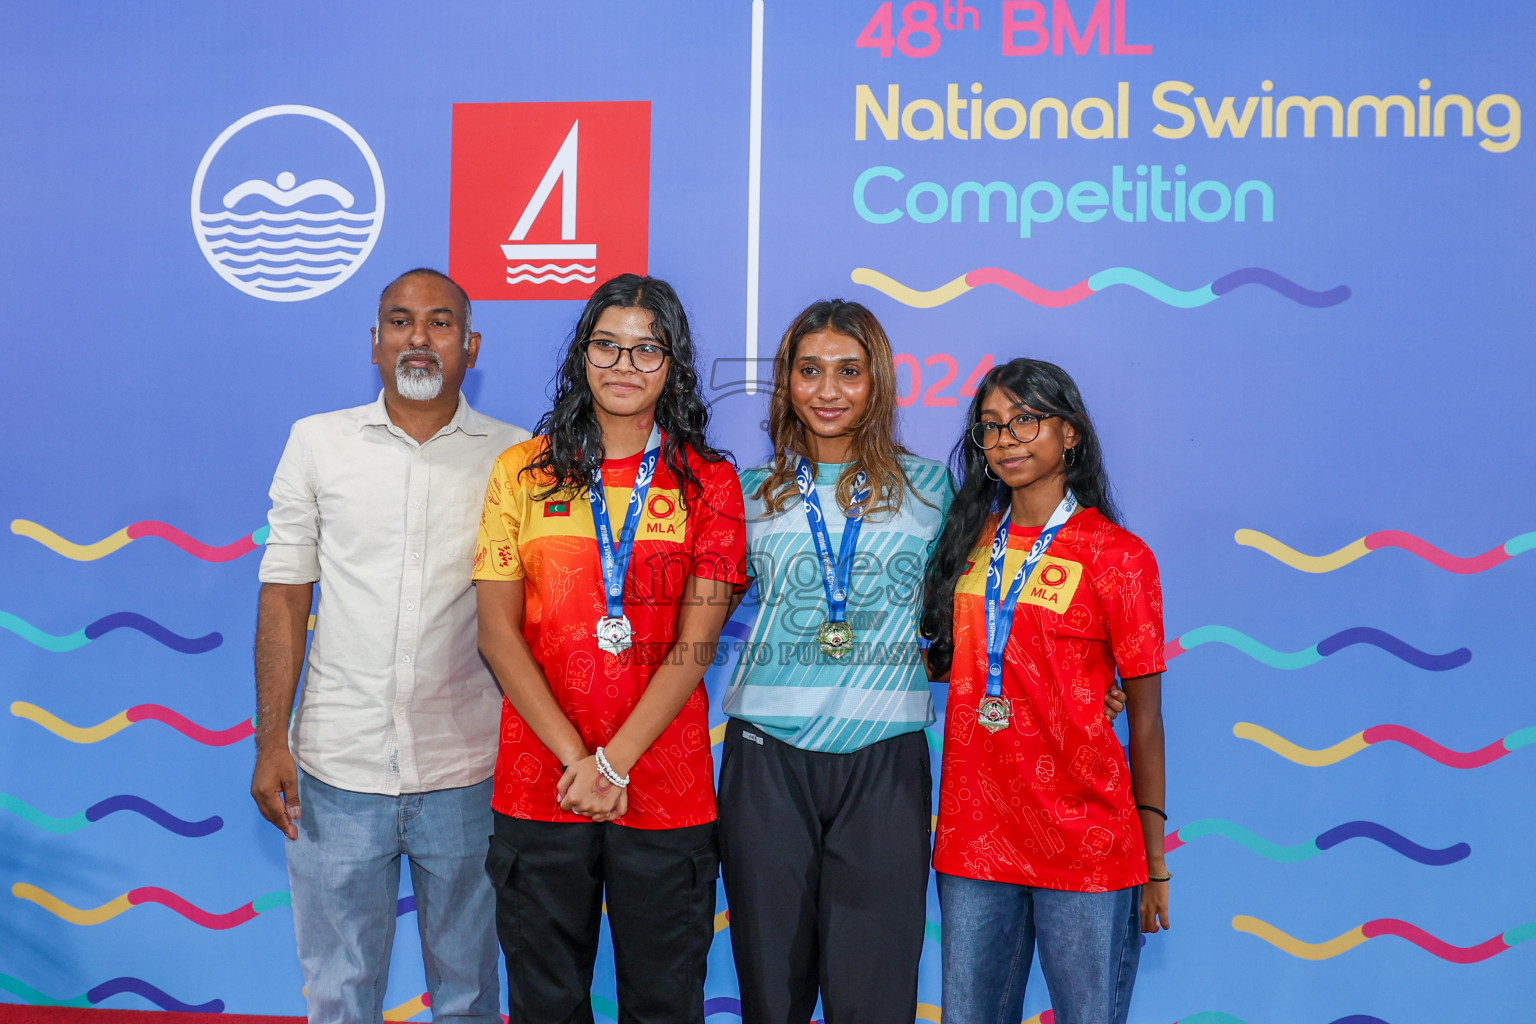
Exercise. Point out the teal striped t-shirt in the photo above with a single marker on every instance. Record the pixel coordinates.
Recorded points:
(783, 684)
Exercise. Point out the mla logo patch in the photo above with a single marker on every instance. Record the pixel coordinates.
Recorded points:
(548, 198)
(1054, 584)
(287, 203)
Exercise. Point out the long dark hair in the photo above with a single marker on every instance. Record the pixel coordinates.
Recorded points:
(1043, 387)
(876, 448)
(575, 445)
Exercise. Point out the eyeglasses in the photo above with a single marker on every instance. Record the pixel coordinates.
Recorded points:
(1024, 427)
(645, 358)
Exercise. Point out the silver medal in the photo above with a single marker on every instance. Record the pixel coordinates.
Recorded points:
(614, 633)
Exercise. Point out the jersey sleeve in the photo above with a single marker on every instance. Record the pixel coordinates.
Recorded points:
(292, 551)
(719, 525)
(1131, 592)
(496, 551)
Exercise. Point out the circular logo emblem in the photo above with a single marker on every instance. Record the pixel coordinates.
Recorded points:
(1053, 575)
(660, 506)
(287, 203)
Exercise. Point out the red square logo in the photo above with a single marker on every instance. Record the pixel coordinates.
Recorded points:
(549, 199)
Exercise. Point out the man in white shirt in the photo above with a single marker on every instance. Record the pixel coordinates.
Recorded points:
(393, 743)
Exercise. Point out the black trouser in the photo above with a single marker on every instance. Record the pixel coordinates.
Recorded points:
(826, 875)
(550, 880)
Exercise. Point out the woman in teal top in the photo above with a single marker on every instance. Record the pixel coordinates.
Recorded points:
(825, 788)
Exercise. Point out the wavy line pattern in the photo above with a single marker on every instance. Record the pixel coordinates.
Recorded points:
(123, 719)
(104, 625)
(409, 1008)
(1108, 278)
(149, 894)
(1384, 734)
(544, 278)
(134, 531)
(1327, 841)
(111, 805)
(107, 990)
(1217, 1017)
(1317, 652)
(1384, 926)
(1386, 539)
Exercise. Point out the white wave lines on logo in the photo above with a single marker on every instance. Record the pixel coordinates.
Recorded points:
(280, 251)
(564, 273)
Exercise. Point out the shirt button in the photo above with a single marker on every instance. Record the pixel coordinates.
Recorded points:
(405, 657)
(410, 606)
(415, 555)
(415, 504)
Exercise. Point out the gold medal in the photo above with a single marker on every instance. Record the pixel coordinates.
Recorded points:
(835, 638)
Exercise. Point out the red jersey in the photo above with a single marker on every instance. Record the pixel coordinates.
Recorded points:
(551, 543)
(1047, 801)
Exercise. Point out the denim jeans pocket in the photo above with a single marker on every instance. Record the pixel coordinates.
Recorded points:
(500, 860)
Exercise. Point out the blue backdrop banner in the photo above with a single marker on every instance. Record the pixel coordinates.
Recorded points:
(1284, 249)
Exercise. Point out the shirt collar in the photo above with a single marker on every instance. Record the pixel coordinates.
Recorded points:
(464, 418)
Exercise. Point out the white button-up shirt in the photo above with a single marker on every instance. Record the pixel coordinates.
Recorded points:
(396, 698)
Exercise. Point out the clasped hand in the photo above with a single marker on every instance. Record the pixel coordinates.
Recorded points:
(583, 790)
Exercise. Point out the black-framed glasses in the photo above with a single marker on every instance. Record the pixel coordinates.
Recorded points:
(1024, 427)
(646, 358)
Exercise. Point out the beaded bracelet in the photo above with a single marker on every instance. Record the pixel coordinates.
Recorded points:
(606, 770)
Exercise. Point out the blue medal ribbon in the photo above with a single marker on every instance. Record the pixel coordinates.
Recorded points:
(1000, 612)
(835, 575)
(616, 559)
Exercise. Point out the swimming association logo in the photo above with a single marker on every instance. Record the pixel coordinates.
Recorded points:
(548, 198)
(287, 203)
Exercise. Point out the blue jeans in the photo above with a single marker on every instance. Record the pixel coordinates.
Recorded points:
(345, 872)
(1089, 944)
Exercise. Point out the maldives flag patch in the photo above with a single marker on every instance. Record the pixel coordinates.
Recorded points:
(556, 508)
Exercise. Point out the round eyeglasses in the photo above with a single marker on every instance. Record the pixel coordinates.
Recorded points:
(646, 358)
(1024, 427)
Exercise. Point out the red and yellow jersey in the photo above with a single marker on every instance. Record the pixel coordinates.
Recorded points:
(551, 543)
(1047, 801)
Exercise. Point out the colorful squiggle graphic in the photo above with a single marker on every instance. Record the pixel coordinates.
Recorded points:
(1317, 652)
(1386, 539)
(149, 894)
(1327, 841)
(1384, 734)
(123, 719)
(1217, 1017)
(106, 990)
(409, 1008)
(134, 531)
(1128, 276)
(1384, 926)
(106, 624)
(111, 805)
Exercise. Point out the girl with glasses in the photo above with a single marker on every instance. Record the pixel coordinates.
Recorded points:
(825, 789)
(610, 547)
(1036, 599)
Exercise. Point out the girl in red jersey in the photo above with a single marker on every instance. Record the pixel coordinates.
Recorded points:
(1036, 599)
(610, 547)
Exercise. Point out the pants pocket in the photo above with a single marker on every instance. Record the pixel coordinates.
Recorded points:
(500, 860)
(706, 867)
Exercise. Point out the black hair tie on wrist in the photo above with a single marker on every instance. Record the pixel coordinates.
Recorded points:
(1155, 810)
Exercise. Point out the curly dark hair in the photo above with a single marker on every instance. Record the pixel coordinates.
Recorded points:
(1044, 387)
(575, 441)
